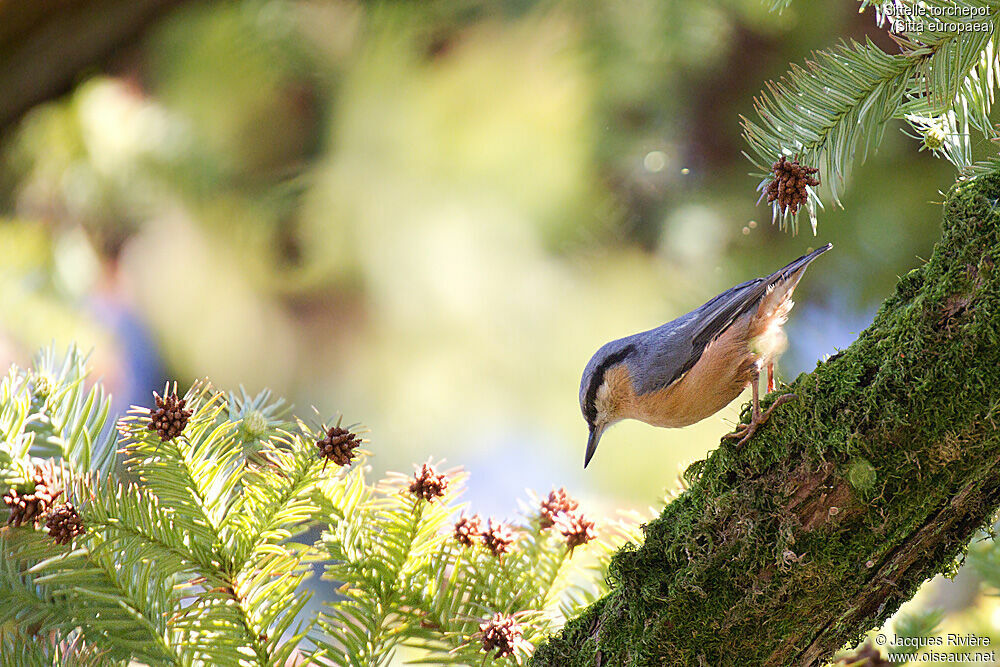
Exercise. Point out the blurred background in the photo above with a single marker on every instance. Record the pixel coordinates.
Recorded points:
(425, 216)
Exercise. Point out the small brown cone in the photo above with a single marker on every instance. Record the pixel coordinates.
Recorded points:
(428, 484)
(29, 503)
(557, 503)
(498, 538)
(338, 446)
(501, 633)
(170, 416)
(64, 523)
(788, 187)
(576, 529)
(468, 529)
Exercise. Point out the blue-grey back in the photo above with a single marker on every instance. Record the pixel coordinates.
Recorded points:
(665, 353)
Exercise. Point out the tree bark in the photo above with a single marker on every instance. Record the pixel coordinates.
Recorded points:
(873, 480)
(45, 44)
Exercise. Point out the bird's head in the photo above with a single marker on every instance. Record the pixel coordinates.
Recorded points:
(606, 390)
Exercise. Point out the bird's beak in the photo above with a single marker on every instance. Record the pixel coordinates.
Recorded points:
(595, 437)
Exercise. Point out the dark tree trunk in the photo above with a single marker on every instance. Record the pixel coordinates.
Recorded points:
(872, 481)
(46, 44)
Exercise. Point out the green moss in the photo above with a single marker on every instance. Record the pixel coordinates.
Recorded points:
(834, 513)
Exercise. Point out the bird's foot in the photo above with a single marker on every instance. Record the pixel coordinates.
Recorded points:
(744, 432)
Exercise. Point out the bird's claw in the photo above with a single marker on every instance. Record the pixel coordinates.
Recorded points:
(744, 432)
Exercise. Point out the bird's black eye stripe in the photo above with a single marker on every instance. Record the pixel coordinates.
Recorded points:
(597, 379)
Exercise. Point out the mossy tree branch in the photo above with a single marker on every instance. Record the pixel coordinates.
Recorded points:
(873, 480)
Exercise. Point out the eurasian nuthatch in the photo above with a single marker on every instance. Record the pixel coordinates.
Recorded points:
(690, 368)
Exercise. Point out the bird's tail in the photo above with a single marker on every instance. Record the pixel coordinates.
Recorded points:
(795, 268)
(777, 301)
(763, 293)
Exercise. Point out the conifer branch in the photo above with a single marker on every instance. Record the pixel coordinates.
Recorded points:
(833, 111)
(190, 557)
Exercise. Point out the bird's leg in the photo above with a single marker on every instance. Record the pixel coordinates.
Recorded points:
(745, 431)
(770, 377)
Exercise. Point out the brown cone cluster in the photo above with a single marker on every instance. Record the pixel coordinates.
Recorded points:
(170, 417)
(468, 529)
(498, 537)
(558, 502)
(338, 446)
(560, 510)
(64, 523)
(576, 529)
(788, 187)
(29, 506)
(866, 656)
(501, 634)
(428, 484)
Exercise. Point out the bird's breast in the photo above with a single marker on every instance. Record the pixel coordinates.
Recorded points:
(724, 369)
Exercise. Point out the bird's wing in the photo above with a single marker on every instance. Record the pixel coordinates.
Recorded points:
(672, 349)
(716, 315)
